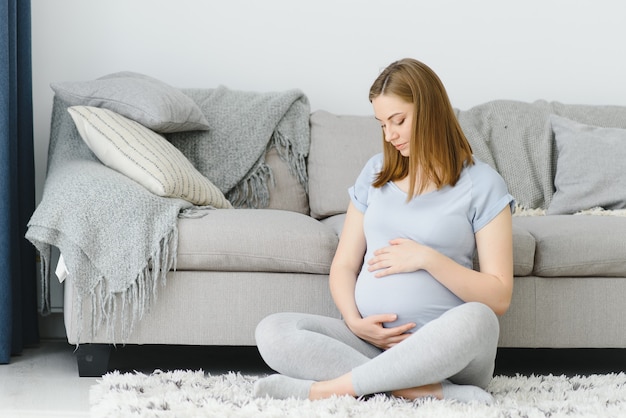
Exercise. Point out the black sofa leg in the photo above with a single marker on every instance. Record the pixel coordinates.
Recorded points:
(93, 359)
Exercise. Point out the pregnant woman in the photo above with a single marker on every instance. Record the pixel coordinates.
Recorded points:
(418, 321)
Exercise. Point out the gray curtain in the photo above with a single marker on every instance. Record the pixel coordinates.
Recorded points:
(18, 295)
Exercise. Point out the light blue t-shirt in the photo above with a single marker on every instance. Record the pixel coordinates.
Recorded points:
(445, 220)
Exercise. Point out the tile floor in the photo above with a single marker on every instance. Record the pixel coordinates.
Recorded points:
(44, 382)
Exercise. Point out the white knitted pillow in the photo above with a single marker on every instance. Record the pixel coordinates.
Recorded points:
(145, 156)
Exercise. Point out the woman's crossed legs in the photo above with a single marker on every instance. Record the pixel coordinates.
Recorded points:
(452, 356)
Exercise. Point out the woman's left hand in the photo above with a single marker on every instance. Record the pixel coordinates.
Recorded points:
(401, 256)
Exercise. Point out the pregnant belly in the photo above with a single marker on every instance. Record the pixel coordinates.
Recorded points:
(414, 297)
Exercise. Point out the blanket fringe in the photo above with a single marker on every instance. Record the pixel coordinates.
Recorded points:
(136, 300)
(524, 211)
(194, 212)
(253, 190)
(597, 211)
(295, 160)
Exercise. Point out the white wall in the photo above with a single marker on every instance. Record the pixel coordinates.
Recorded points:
(566, 50)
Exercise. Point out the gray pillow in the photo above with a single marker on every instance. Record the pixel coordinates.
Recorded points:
(589, 167)
(144, 99)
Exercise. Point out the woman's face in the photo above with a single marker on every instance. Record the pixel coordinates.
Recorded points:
(396, 119)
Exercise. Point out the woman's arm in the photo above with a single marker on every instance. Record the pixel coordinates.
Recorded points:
(347, 264)
(344, 270)
(492, 285)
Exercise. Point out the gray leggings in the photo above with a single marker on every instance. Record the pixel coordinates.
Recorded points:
(459, 346)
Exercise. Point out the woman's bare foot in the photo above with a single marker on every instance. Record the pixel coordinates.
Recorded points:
(325, 389)
(434, 390)
(446, 390)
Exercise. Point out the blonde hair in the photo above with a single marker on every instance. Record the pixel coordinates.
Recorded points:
(438, 148)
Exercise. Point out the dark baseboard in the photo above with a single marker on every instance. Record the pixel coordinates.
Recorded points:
(561, 361)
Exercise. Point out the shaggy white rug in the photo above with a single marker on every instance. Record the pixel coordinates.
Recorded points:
(196, 394)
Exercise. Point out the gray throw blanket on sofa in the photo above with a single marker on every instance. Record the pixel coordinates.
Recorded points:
(117, 238)
(243, 126)
(501, 128)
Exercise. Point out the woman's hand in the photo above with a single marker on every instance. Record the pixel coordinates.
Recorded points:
(371, 330)
(401, 256)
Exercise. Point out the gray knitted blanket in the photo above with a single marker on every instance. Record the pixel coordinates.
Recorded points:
(500, 129)
(243, 126)
(117, 238)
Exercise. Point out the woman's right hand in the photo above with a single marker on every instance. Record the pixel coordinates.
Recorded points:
(371, 330)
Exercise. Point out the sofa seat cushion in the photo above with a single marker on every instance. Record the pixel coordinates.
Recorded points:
(577, 245)
(263, 240)
(524, 247)
(523, 252)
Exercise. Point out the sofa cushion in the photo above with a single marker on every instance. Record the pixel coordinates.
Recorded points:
(286, 191)
(263, 240)
(139, 97)
(340, 147)
(577, 245)
(335, 222)
(589, 167)
(144, 156)
(523, 250)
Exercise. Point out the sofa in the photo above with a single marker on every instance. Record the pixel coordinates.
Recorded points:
(235, 265)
